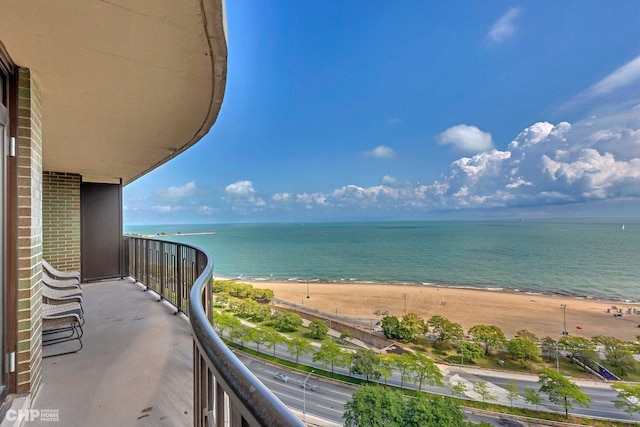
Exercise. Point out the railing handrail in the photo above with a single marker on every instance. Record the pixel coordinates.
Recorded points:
(265, 407)
(255, 402)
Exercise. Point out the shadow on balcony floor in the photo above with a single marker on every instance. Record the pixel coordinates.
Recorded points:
(135, 367)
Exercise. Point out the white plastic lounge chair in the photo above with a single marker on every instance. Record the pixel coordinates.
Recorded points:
(57, 296)
(61, 293)
(60, 275)
(60, 284)
(61, 323)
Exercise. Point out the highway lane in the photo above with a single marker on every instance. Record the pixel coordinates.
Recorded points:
(601, 393)
(324, 400)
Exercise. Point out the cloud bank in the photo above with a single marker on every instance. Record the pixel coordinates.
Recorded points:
(545, 164)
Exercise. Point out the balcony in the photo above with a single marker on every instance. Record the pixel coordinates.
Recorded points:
(135, 366)
(141, 364)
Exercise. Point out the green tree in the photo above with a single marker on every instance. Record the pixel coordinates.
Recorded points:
(618, 353)
(328, 355)
(272, 338)
(533, 397)
(411, 326)
(385, 367)
(299, 346)
(469, 351)
(346, 335)
(318, 329)
(445, 331)
(261, 313)
(246, 308)
(523, 349)
(404, 364)
(561, 391)
(391, 327)
(577, 346)
(365, 362)
(383, 407)
(262, 295)
(549, 347)
(233, 304)
(432, 410)
(458, 388)
(425, 370)
(513, 392)
(374, 406)
(482, 389)
(222, 298)
(238, 333)
(526, 334)
(628, 397)
(256, 336)
(288, 322)
(492, 336)
(225, 322)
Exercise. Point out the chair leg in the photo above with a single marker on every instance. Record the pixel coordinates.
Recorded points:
(76, 330)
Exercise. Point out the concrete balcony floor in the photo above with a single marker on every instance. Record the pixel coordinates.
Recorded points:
(135, 367)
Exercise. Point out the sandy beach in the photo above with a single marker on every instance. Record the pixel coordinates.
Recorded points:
(539, 314)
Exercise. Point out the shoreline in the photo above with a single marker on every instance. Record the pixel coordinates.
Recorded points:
(510, 310)
(259, 281)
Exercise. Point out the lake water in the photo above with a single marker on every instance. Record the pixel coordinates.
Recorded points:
(577, 257)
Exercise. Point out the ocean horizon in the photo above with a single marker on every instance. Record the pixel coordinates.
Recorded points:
(583, 258)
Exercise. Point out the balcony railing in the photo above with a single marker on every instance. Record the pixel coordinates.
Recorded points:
(226, 393)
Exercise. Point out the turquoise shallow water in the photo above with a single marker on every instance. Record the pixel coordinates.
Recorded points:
(579, 257)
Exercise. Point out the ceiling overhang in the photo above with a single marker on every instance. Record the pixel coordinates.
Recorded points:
(125, 85)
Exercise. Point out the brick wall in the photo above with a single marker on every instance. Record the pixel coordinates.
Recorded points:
(61, 219)
(29, 153)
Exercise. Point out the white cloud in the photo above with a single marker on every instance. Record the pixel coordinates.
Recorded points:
(621, 77)
(243, 198)
(175, 193)
(389, 180)
(206, 210)
(504, 27)
(240, 188)
(597, 175)
(466, 138)
(165, 208)
(381, 152)
(481, 164)
(545, 164)
(281, 197)
(614, 98)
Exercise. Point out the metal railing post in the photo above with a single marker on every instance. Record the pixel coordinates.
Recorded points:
(178, 279)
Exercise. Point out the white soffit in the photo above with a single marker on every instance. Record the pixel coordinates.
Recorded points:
(125, 84)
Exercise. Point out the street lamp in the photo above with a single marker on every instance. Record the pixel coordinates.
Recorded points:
(564, 315)
(304, 396)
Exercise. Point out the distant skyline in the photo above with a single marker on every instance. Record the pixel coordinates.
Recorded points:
(414, 110)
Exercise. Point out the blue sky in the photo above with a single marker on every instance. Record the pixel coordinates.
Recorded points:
(360, 110)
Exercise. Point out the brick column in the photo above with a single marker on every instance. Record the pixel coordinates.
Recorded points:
(61, 219)
(29, 153)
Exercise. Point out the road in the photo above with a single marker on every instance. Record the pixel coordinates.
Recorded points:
(325, 400)
(331, 400)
